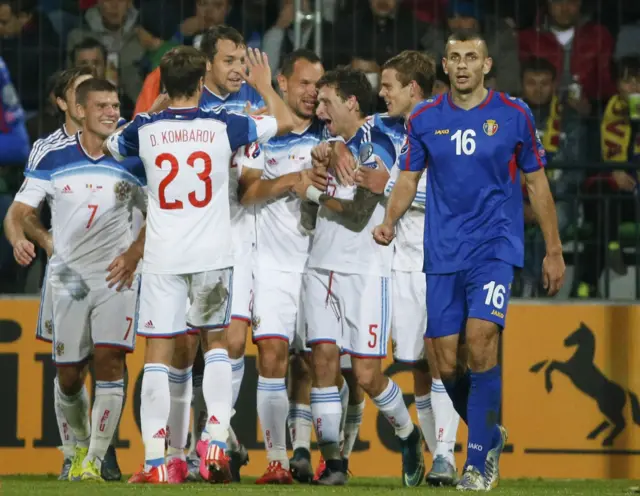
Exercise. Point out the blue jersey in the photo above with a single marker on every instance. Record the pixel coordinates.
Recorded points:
(233, 102)
(474, 199)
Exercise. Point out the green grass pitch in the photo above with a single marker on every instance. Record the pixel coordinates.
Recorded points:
(43, 486)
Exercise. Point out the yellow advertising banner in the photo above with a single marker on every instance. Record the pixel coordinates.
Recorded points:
(570, 398)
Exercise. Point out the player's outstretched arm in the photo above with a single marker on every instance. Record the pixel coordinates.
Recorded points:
(259, 77)
(254, 190)
(23, 250)
(545, 211)
(402, 196)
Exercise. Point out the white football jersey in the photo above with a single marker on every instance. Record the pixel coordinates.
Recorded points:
(280, 244)
(243, 229)
(187, 155)
(409, 241)
(243, 221)
(338, 247)
(92, 202)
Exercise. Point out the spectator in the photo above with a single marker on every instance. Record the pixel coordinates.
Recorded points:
(158, 39)
(90, 53)
(579, 49)
(14, 144)
(370, 36)
(628, 42)
(539, 84)
(614, 202)
(501, 41)
(14, 141)
(114, 23)
(279, 40)
(47, 120)
(30, 48)
(441, 84)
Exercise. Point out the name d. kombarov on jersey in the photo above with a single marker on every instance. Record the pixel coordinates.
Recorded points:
(175, 136)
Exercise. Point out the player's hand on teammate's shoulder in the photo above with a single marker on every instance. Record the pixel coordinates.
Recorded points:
(553, 272)
(122, 270)
(375, 180)
(321, 154)
(258, 71)
(24, 252)
(383, 234)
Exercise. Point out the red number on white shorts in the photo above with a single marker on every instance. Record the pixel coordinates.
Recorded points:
(373, 328)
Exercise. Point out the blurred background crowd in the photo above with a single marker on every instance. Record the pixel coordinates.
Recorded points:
(575, 62)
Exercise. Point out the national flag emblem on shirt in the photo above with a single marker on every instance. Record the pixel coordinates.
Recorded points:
(490, 127)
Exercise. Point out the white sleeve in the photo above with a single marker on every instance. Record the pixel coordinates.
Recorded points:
(33, 191)
(250, 156)
(266, 127)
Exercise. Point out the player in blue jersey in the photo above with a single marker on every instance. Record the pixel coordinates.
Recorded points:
(473, 143)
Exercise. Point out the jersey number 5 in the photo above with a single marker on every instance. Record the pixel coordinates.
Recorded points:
(204, 176)
(464, 141)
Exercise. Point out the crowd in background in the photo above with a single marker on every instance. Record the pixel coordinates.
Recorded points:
(575, 62)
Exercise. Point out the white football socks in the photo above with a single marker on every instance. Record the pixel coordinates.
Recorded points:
(76, 410)
(446, 421)
(327, 412)
(105, 417)
(180, 390)
(391, 404)
(352, 427)
(218, 394)
(273, 406)
(155, 405)
(67, 438)
(300, 421)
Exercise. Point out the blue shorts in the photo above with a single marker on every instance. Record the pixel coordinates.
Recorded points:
(481, 292)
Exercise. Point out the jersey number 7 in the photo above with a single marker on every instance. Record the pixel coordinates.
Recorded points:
(204, 176)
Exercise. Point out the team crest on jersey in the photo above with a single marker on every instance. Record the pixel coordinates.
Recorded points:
(60, 349)
(122, 190)
(490, 127)
(255, 323)
(48, 327)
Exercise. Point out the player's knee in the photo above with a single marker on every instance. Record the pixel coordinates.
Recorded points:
(482, 339)
(237, 338)
(272, 358)
(108, 364)
(185, 350)
(324, 361)
(369, 374)
(71, 378)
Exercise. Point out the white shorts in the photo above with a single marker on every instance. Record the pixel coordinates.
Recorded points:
(163, 296)
(409, 318)
(242, 292)
(351, 310)
(44, 327)
(277, 307)
(103, 318)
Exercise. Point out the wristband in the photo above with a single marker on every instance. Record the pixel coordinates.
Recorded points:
(313, 194)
